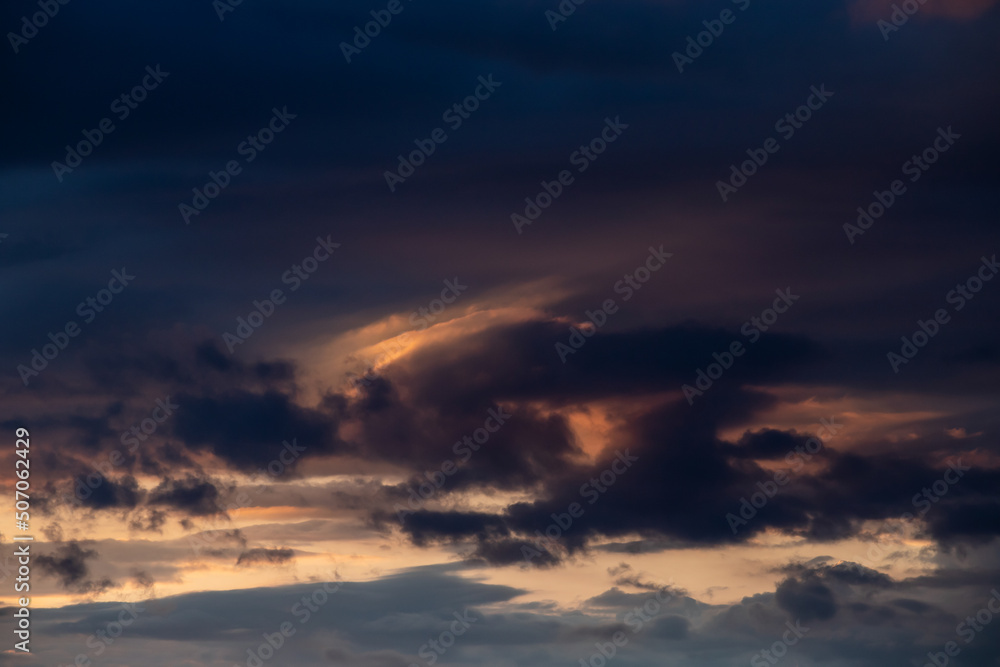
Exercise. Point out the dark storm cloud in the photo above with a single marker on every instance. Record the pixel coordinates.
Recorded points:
(683, 459)
(681, 486)
(192, 496)
(241, 412)
(892, 486)
(953, 578)
(688, 483)
(501, 551)
(843, 573)
(513, 364)
(679, 470)
(94, 430)
(179, 361)
(427, 436)
(108, 493)
(806, 599)
(170, 456)
(977, 520)
(68, 563)
(767, 444)
(448, 396)
(90, 431)
(425, 527)
(614, 363)
(275, 556)
(247, 429)
(210, 354)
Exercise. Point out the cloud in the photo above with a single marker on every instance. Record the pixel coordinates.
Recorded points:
(424, 527)
(276, 556)
(192, 496)
(68, 563)
(247, 430)
(414, 417)
(961, 434)
(806, 599)
(687, 481)
(120, 493)
(366, 450)
(377, 622)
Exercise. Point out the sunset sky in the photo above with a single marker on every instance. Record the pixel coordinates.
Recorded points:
(621, 333)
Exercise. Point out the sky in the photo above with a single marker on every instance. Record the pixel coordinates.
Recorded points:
(504, 333)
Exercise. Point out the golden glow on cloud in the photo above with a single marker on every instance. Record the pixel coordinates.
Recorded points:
(886, 418)
(376, 344)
